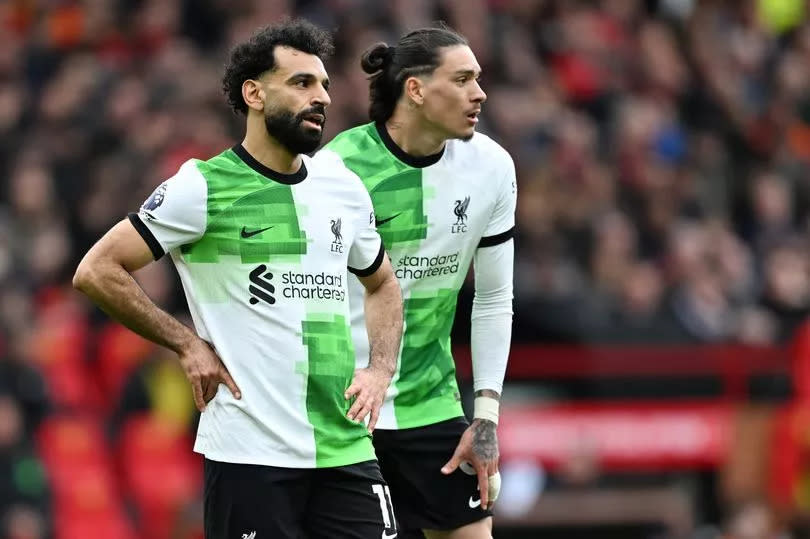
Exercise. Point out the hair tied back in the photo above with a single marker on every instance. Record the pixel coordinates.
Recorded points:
(377, 58)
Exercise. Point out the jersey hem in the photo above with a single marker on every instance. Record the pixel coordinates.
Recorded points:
(325, 463)
(423, 422)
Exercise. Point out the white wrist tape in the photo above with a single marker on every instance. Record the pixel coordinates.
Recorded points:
(486, 408)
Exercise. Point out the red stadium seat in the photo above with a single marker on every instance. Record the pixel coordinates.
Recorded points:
(72, 440)
(161, 473)
(58, 344)
(86, 494)
(85, 490)
(109, 525)
(120, 351)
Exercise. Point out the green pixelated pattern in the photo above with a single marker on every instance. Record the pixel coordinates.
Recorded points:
(240, 197)
(426, 385)
(395, 188)
(330, 369)
(427, 389)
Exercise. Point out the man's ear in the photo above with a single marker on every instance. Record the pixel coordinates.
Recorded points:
(253, 94)
(414, 90)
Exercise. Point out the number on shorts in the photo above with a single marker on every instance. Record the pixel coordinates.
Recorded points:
(386, 507)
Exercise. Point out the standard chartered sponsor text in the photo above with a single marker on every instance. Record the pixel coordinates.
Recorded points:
(313, 286)
(419, 267)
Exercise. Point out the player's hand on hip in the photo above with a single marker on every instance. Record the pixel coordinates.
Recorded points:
(479, 448)
(368, 389)
(205, 370)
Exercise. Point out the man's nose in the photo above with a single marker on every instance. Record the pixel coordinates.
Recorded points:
(322, 98)
(479, 96)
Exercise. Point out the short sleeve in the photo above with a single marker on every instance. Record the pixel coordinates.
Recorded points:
(366, 253)
(501, 225)
(175, 213)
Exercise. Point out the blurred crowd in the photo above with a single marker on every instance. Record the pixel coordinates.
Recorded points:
(662, 150)
(661, 146)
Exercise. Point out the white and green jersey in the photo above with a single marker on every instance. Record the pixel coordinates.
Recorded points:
(432, 213)
(263, 260)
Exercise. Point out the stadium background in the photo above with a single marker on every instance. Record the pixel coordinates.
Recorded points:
(659, 381)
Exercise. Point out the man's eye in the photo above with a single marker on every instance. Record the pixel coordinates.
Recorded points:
(301, 84)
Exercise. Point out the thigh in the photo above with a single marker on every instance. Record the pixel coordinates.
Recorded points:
(350, 502)
(253, 502)
(423, 497)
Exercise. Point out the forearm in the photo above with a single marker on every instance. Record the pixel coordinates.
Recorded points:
(492, 317)
(383, 309)
(116, 292)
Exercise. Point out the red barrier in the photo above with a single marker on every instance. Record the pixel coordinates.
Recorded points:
(637, 436)
(734, 364)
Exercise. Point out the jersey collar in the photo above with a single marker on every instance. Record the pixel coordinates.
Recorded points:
(411, 160)
(267, 172)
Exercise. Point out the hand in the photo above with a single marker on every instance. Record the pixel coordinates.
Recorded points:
(479, 447)
(368, 388)
(205, 370)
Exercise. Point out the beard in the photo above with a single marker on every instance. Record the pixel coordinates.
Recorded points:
(288, 129)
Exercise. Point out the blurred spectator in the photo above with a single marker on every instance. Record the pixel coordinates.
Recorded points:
(25, 386)
(159, 387)
(624, 118)
(24, 496)
(786, 286)
(753, 521)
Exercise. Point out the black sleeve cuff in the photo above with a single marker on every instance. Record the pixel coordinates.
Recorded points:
(146, 234)
(374, 265)
(497, 239)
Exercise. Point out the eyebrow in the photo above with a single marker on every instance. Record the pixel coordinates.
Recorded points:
(307, 76)
(466, 72)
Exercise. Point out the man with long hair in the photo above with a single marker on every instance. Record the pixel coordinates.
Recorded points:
(444, 196)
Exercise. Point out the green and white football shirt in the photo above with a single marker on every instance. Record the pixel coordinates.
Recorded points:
(263, 260)
(432, 213)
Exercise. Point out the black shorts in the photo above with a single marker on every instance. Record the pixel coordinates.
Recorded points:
(259, 502)
(411, 461)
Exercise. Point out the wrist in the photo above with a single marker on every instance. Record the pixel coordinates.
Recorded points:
(183, 343)
(487, 408)
(380, 365)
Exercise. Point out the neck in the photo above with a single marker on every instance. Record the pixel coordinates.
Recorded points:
(267, 150)
(413, 135)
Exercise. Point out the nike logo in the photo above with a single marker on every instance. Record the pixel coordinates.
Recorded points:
(248, 234)
(474, 503)
(380, 222)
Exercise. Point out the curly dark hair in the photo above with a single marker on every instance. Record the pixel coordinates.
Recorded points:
(416, 53)
(250, 59)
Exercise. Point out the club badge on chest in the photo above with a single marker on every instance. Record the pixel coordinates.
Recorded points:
(460, 211)
(337, 243)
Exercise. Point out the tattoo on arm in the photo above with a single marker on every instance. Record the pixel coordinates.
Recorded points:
(488, 393)
(485, 439)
